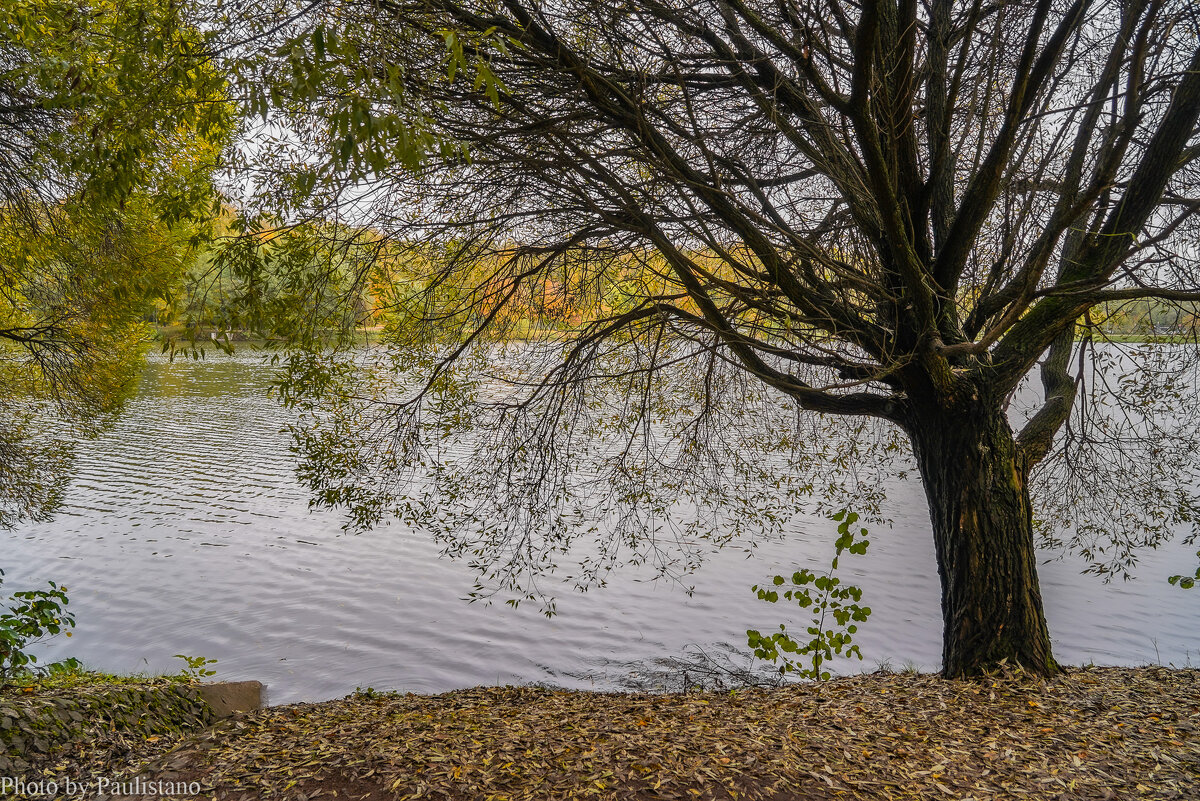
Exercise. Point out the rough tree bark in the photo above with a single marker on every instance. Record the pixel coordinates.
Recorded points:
(976, 483)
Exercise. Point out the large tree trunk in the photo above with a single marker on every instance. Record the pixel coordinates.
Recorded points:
(978, 493)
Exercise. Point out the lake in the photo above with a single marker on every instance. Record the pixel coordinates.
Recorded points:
(185, 532)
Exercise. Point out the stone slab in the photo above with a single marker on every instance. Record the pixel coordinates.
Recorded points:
(230, 697)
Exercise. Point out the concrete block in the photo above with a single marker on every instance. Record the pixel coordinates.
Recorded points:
(230, 697)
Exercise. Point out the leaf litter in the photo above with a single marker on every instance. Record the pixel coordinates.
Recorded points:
(1091, 733)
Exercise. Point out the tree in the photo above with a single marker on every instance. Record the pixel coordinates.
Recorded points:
(889, 210)
(112, 121)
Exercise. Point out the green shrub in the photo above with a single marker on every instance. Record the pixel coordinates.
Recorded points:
(29, 617)
(828, 598)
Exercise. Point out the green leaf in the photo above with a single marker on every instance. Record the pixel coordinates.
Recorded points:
(319, 42)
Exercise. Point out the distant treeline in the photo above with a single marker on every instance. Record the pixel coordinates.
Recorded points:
(307, 281)
(1147, 317)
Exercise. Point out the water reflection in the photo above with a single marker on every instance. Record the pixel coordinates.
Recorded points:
(185, 532)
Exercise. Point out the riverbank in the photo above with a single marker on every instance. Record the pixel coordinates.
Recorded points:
(57, 725)
(1092, 733)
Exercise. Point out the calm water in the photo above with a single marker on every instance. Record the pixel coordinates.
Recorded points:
(185, 532)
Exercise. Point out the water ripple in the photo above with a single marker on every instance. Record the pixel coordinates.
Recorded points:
(186, 532)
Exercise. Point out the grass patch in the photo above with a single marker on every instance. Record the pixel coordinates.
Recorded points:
(76, 677)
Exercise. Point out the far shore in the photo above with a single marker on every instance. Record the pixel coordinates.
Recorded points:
(205, 338)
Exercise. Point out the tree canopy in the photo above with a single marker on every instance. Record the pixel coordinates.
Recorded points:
(112, 120)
